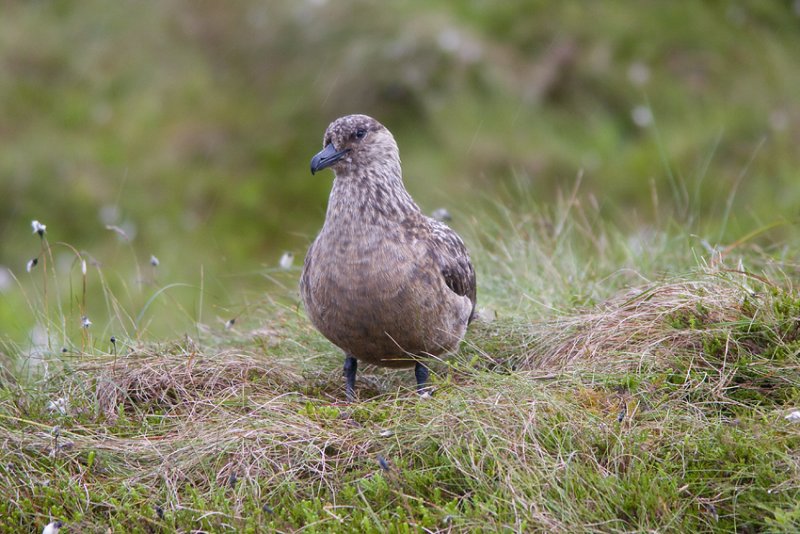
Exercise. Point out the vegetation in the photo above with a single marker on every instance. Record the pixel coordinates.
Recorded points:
(628, 400)
(635, 236)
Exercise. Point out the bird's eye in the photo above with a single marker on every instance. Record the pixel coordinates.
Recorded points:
(360, 133)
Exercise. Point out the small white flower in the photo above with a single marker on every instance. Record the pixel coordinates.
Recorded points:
(59, 405)
(154, 261)
(638, 73)
(441, 214)
(83, 267)
(286, 260)
(85, 322)
(794, 417)
(642, 116)
(38, 228)
(31, 264)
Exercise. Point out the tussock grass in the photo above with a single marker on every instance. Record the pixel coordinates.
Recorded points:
(159, 380)
(651, 325)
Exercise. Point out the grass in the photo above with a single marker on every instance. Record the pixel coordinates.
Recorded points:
(610, 386)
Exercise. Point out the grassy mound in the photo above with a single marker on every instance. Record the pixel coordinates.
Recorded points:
(660, 407)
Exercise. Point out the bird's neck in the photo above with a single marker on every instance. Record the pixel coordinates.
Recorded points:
(369, 199)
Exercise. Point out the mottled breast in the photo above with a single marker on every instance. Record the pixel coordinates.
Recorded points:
(381, 296)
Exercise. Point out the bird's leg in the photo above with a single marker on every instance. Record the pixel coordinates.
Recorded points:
(421, 373)
(350, 368)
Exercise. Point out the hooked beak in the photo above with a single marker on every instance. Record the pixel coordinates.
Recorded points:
(327, 157)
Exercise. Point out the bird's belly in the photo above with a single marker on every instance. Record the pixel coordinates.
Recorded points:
(386, 307)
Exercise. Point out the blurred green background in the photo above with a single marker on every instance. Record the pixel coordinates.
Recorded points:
(189, 126)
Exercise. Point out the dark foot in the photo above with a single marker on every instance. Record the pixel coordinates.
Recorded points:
(421, 372)
(350, 368)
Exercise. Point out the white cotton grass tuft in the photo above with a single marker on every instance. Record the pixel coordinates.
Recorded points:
(85, 322)
(793, 417)
(53, 528)
(83, 267)
(286, 260)
(638, 73)
(642, 116)
(31, 264)
(58, 406)
(442, 215)
(38, 228)
(154, 261)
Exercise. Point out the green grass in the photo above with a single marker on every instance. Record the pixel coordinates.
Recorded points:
(608, 387)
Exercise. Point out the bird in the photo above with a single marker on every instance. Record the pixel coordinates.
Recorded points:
(385, 283)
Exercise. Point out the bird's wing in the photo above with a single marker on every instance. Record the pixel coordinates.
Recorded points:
(305, 290)
(451, 254)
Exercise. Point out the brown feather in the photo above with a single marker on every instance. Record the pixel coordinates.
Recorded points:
(382, 281)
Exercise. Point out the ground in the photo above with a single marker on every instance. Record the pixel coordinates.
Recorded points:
(607, 387)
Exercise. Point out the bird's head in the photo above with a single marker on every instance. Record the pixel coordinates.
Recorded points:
(353, 142)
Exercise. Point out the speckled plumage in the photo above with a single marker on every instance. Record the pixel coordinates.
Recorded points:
(382, 281)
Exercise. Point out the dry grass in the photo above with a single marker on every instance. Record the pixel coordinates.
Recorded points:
(648, 326)
(156, 380)
(247, 407)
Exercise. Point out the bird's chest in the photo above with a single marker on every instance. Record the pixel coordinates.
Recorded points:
(372, 294)
(364, 265)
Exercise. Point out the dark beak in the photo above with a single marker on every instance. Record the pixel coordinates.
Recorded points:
(326, 158)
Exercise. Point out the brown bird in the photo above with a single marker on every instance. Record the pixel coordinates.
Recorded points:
(383, 282)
